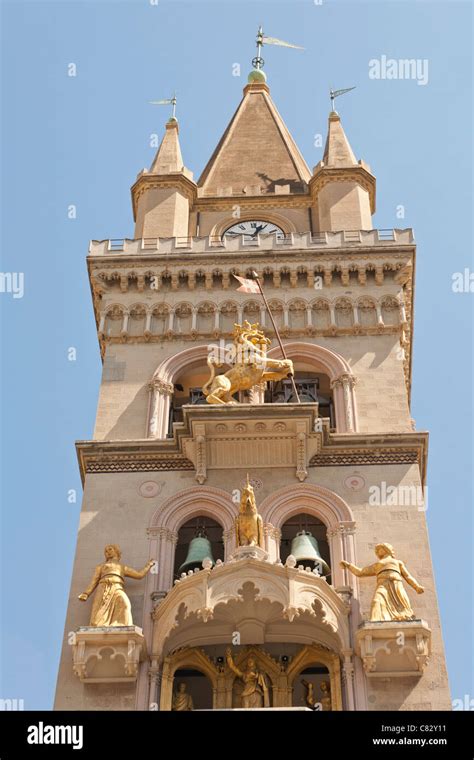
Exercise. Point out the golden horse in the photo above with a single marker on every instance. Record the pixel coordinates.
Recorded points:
(252, 366)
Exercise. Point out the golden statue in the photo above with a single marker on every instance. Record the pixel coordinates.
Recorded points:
(111, 605)
(182, 700)
(326, 701)
(310, 699)
(255, 693)
(390, 600)
(248, 523)
(251, 367)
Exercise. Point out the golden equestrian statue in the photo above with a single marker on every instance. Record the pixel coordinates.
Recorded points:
(251, 367)
(390, 601)
(248, 523)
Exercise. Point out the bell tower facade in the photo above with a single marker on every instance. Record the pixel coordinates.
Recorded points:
(278, 534)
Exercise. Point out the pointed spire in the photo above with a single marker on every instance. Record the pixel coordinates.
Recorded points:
(168, 159)
(256, 154)
(337, 151)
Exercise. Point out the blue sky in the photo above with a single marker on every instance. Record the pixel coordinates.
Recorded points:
(81, 140)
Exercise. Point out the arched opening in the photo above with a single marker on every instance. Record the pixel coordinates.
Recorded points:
(312, 688)
(159, 319)
(187, 390)
(114, 322)
(312, 387)
(198, 538)
(197, 686)
(305, 536)
(390, 311)
(137, 320)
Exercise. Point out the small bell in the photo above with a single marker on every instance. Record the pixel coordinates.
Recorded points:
(199, 549)
(305, 549)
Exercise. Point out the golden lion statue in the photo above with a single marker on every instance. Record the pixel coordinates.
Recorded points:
(251, 368)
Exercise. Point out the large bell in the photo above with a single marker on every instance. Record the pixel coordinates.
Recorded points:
(305, 550)
(199, 549)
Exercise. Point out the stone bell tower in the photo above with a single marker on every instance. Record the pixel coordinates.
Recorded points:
(332, 603)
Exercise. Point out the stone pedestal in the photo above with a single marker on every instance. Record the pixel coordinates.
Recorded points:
(109, 654)
(394, 648)
(249, 552)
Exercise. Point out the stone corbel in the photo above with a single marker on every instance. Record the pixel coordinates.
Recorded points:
(394, 648)
(90, 644)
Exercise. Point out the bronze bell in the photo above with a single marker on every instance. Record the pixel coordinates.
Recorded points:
(305, 550)
(199, 549)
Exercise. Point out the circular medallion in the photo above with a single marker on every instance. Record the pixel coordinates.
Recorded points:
(354, 482)
(150, 488)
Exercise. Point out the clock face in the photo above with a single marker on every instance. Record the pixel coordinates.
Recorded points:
(250, 229)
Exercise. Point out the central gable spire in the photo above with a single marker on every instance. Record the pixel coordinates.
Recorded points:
(256, 154)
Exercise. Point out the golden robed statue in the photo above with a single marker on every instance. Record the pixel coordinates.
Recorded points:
(182, 701)
(255, 693)
(111, 605)
(251, 366)
(248, 523)
(390, 600)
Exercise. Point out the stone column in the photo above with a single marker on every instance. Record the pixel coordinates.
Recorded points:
(343, 402)
(272, 541)
(161, 394)
(348, 678)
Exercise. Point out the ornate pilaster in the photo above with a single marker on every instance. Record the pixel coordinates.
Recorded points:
(161, 393)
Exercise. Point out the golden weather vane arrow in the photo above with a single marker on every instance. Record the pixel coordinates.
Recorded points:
(262, 39)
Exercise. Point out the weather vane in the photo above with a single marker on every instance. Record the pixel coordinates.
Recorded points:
(333, 94)
(167, 102)
(262, 39)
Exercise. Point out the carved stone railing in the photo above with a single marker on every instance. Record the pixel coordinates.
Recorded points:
(242, 243)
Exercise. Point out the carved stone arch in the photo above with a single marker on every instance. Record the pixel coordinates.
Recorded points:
(324, 504)
(321, 313)
(116, 307)
(137, 313)
(344, 311)
(198, 501)
(183, 317)
(297, 314)
(390, 310)
(367, 311)
(195, 659)
(229, 313)
(312, 654)
(182, 506)
(205, 320)
(251, 310)
(340, 375)
(113, 321)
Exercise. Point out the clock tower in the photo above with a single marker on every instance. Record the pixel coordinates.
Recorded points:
(280, 536)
